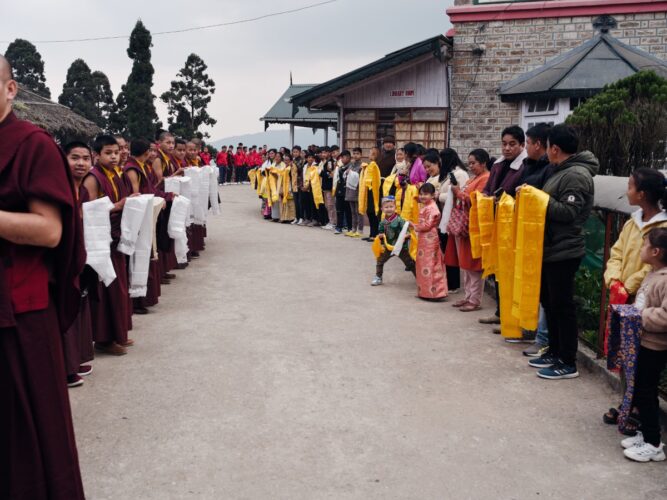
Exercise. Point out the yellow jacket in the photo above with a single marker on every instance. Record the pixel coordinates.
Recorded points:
(624, 264)
(313, 182)
(369, 179)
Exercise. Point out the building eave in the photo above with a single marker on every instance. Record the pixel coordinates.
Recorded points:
(564, 8)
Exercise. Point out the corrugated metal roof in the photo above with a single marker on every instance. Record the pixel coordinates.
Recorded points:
(610, 194)
(283, 111)
(583, 71)
(432, 45)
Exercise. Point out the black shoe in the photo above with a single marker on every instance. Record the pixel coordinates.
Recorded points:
(140, 310)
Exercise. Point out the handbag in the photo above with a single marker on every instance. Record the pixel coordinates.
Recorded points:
(458, 221)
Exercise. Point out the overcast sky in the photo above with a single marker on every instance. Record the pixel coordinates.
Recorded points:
(250, 63)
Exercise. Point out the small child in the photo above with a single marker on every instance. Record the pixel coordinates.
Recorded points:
(431, 278)
(652, 356)
(352, 179)
(389, 230)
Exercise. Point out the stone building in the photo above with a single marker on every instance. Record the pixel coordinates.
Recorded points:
(495, 43)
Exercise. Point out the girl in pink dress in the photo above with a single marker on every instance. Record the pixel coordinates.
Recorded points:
(431, 278)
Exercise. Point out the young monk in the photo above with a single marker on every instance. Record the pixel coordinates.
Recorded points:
(124, 152)
(40, 245)
(179, 154)
(140, 180)
(165, 166)
(78, 340)
(111, 310)
(196, 233)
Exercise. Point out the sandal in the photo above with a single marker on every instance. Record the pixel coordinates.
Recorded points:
(632, 425)
(470, 308)
(460, 303)
(611, 417)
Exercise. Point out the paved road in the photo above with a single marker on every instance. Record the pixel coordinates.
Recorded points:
(271, 370)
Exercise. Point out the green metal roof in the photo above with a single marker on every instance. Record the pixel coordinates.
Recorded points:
(432, 45)
(582, 71)
(283, 111)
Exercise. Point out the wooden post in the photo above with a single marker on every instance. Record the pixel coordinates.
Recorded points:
(291, 136)
(603, 293)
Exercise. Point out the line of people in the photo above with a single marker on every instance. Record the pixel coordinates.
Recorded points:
(54, 309)
(431, 210)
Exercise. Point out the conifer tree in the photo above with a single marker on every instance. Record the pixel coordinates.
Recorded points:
(28, 66)
(188, 98)
(138, 97)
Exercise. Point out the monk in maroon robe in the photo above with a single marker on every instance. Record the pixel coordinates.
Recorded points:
(140, 181)
(78, 340)
(41, 257)
(165, 166)
(111, 311)
(197, 231)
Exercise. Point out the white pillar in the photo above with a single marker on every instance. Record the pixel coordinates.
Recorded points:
(291, 135)
(326, 136)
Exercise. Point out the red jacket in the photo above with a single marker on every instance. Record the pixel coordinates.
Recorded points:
(221, 159)
(205, 158)
(240, 159)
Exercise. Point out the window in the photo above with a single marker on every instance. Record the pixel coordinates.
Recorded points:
(542, 107)
(575, 102)
(532, 124)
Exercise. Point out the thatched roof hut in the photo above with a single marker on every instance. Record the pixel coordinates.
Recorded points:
(58, 120)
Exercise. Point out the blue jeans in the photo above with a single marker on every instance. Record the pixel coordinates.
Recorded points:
(542, 332)
(542, 337)
(223, 174)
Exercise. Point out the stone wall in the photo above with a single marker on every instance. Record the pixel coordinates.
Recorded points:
(514, 47)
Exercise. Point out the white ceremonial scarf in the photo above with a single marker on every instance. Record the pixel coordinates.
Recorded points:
(180, 208)
(213, 192)
(133, 217)
(141, 257)
(398, 246)
(97, 238)
(158, 205)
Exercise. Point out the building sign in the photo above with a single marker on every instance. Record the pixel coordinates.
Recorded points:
(402, 93)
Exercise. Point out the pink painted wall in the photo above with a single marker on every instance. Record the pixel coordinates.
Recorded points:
(428, 81)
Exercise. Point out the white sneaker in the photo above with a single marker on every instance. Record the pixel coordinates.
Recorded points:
(633, 441)
(646, 452)
(294, 222)
(377, 281)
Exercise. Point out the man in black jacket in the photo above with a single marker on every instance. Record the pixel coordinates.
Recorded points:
(388, 158)
(570, 188)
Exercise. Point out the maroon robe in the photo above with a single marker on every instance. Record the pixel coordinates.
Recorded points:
(111, 306)
(146, 186)
(166, 247)
(78, 339)
(39, 300)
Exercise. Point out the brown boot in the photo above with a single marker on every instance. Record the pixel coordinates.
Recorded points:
(128, 343)
(111, 348)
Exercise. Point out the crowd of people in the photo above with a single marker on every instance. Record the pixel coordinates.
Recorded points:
(59, 301)
(426, 207)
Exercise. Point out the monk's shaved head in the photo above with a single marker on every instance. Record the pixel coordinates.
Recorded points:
(6, 71)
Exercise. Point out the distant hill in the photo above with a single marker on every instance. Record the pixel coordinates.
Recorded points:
(277, 138)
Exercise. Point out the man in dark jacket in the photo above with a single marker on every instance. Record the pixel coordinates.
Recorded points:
(388, 158)
(571, 189)
(506, 173)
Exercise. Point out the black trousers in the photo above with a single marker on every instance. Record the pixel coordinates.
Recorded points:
(307, 206)
(373, 219)
(298, 205)
(343, 212)
(650, 365)
(557, 298)
(222, 174)
(386, 255)
(230, 173)
(453, 272)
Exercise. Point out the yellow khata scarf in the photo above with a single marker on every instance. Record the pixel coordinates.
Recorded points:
(275, 178)
(473, 228)
(379, 248)
(313, 175)
(388, 183)
(252, 175)
(369, 179)
(486, 226)
(409, 208)
(287, 182)
(530, 216)
(504, 245)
